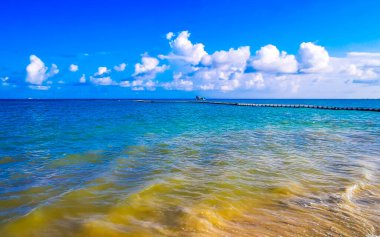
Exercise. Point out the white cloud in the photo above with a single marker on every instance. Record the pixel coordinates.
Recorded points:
(4, 81)
(100, 78)
(183, 50)
(367, 73)
(102, 81)
(148, 68)
(138, 88)
(39, 87)
(313, 73)
(269, 59)
(101, 71)
(125, 84)
(253, 81)
(221, 70)
(362, 67)
(234, 59)
(363, 54)
(230, 85)
(277, 73)
(37, 72)
(207, 87)
(150, 85)
(121, 67)
(179, 84)
(239, 81)
(286, 83)
(169, 35)
(313, 58)
(195, 69)
(53, 70)
(148, 64)
(364, 59)
(138, 82)
(82, 79)
(73, 68)
(142, 84)
(355, 67)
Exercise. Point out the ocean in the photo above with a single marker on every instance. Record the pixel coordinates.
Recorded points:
(122, 168)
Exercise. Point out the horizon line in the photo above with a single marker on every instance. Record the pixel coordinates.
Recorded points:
(189, 98)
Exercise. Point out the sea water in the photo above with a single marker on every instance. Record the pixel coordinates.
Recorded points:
(122, 168)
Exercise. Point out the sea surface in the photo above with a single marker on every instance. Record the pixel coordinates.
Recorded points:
(123, 168)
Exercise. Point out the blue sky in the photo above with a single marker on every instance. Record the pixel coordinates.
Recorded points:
(220, 49)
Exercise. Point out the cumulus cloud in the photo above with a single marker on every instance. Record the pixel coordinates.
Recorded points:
(144, 74)
(100, 78)
(39, 87)
(125, 84)
(120, 68)
(230, 85)
(233, 59)
(253, 81)
(224, 69)
(179, 84)
(141, 84)
(148, 68)
(183, 50)
(275, 71)
(313, 58)
(269, 59)
(169, 35)
(73, 68)
(364, 59)
(268, 72)
(363, 54)
(356, 67)
(82, 79)
(221, 70)
(364, 67)
(239, 81)
(4, 81)
(37, 72)
(53, 70)
(366, 73)
(138, 88)
(101, 71)
(102, 81)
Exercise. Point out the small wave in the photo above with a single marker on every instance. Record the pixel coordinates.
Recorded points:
(365, 179)
(351, 190)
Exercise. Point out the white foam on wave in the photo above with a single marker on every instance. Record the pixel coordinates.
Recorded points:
(366, 178)
(350, 191)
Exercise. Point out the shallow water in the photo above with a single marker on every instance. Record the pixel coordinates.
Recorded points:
(120, 168)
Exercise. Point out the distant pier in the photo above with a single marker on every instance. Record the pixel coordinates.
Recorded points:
(264, 105)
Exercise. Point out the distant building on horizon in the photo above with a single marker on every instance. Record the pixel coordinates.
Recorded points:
(199, 98)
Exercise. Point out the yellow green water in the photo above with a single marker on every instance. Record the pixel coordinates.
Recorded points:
(233, 198)
(306, 174)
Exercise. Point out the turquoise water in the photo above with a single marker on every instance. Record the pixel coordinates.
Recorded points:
(121, 168)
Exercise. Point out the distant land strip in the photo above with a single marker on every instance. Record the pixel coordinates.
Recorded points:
(264, 105)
